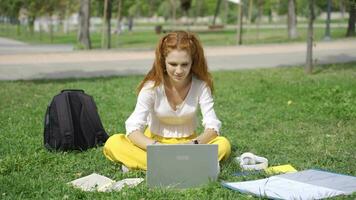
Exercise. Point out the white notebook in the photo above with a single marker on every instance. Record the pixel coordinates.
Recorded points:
(96, 182)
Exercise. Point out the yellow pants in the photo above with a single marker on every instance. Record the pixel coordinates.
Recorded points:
(118, 148)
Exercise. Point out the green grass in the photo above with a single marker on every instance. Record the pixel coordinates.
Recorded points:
(148, 39)
(316, 131)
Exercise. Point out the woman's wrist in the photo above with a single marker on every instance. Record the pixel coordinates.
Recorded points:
(195, 141)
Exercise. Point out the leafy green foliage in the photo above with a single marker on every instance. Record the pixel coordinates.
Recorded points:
(279, 113)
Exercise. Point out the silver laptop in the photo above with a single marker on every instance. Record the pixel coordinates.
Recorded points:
(181, 166)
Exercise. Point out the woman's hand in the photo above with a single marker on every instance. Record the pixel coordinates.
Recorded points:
(207, 136)
(140, 140)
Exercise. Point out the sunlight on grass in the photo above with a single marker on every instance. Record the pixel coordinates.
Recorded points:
(308, 121)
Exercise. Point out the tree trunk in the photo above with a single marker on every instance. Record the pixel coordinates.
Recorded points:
(198, 9)
(292, 20)
(31, 24)
(240, 23)
(270, 15)
(217, 8)
(174, 10)
(106, 34)
(130, 23)
(65, 20)
(50, 28)
(259, 17)
(309, 60)
(352, 19)
(342, 8)
(84, 25)
(327, 27)
(119, 5)
(226, 13)
(18, 27)
(40, 31)
(150, 8)
(250, 9)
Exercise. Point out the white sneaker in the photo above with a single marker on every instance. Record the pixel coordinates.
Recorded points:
(124, 169)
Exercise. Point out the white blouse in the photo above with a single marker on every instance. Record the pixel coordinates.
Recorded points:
(153, 109)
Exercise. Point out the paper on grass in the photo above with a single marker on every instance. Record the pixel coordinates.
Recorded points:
(130, 182)
(93, 182)
(96, 182)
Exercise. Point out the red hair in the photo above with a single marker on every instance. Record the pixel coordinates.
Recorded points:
(178, 40)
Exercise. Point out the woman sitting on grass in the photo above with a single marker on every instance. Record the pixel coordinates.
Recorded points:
(167, 103)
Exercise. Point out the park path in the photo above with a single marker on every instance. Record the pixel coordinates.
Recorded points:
(54, 62)
(9, 46)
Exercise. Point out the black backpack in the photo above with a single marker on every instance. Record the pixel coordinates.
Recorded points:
(73, 123)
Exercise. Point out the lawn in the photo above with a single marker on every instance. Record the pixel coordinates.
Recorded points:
(147, 39)
(315, 130)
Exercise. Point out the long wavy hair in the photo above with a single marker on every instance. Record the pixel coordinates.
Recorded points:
(178, 40)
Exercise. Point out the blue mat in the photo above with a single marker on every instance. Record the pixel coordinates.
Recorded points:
(307, 184)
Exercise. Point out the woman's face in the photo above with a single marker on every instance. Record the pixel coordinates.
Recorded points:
(178, 65)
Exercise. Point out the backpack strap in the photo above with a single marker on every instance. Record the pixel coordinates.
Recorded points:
(88, 102)
(72, 90)
(65, 121)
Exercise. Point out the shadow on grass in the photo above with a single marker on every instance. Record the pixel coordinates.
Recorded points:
(327, 68)
(322, 68)
(92, 77)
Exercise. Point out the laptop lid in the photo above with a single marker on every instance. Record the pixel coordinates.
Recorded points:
(181, 166)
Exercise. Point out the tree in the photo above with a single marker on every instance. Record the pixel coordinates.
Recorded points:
(241, 14)
(84, 24)
(106, 34)
(164, 10)
(327, 27)
(352, 19)
(135, 8)
(342, 8)
(119, 15)
(272, 6)
(64, 10)
(174, 12)
(49, 8)
(34, 8)
(151, 6)
(292, 20)
(226, 12)
(198, 8)
(309, 60)
(260, 4)
(11, 9)
(218, 3)
(250, 10)
(185, 5)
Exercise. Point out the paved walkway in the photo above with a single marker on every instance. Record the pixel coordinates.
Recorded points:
(9, 46)
(65, 63)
